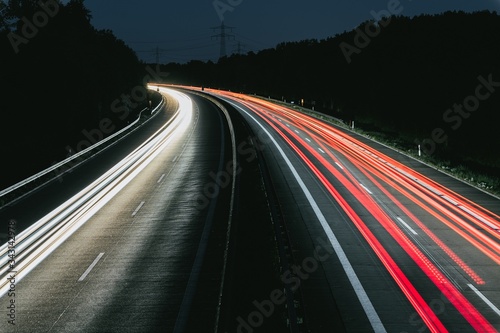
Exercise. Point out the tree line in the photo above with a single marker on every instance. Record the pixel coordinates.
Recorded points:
(413, 79)
(431, 80)
(59, 76)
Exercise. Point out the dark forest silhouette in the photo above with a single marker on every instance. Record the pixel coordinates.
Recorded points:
(59, 76)
(400, 82)
(399, 77)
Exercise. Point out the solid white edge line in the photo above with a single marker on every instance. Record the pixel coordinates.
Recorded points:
(367, 305)
(138, 207)
(487, 301)
(96, 260)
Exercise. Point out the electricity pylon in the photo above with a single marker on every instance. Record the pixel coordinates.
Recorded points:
(223, 36)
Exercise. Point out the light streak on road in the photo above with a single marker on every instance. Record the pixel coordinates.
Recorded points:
(34, 244)
(470, 221)
(370, 311)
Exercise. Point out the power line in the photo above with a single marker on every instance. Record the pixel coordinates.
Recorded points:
(240, 47)
(188, 38)
(222, 36)
(179, 48)
(254, 42)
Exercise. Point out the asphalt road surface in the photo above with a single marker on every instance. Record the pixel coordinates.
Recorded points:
(409, 248)
(240, 215)
(136, 262)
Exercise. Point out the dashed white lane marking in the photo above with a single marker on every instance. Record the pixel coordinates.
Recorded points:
(161, 178)
(407, 226)
(96, 260)
(340, 166)
(487, 301)
(453, 202)
(138, 208)
(467, 210)
(366, 189)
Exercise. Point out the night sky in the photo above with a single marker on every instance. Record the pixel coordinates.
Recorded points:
(181, 30)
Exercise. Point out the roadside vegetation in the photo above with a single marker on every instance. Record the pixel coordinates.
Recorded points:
(59, 77)
(489, 182)
(432, 80)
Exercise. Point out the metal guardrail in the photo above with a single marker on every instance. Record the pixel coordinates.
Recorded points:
(26, 250)
(75, 156)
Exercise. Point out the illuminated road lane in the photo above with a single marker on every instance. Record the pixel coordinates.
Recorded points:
(129, 264)
(40, 239)
(422, 252)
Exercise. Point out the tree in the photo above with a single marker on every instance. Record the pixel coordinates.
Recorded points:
(71, 71)
(3, 17)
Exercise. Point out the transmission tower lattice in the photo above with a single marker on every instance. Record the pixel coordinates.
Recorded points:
(223, 36)
(240, 48)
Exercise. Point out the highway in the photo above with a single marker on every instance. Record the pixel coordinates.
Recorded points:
(230, 213)
(126, 252)
(412, 249)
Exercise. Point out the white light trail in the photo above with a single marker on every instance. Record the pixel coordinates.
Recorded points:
(35, 243)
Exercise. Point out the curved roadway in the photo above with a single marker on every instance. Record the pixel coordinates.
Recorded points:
(131, 259)
(313, 229)
(409, 248)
